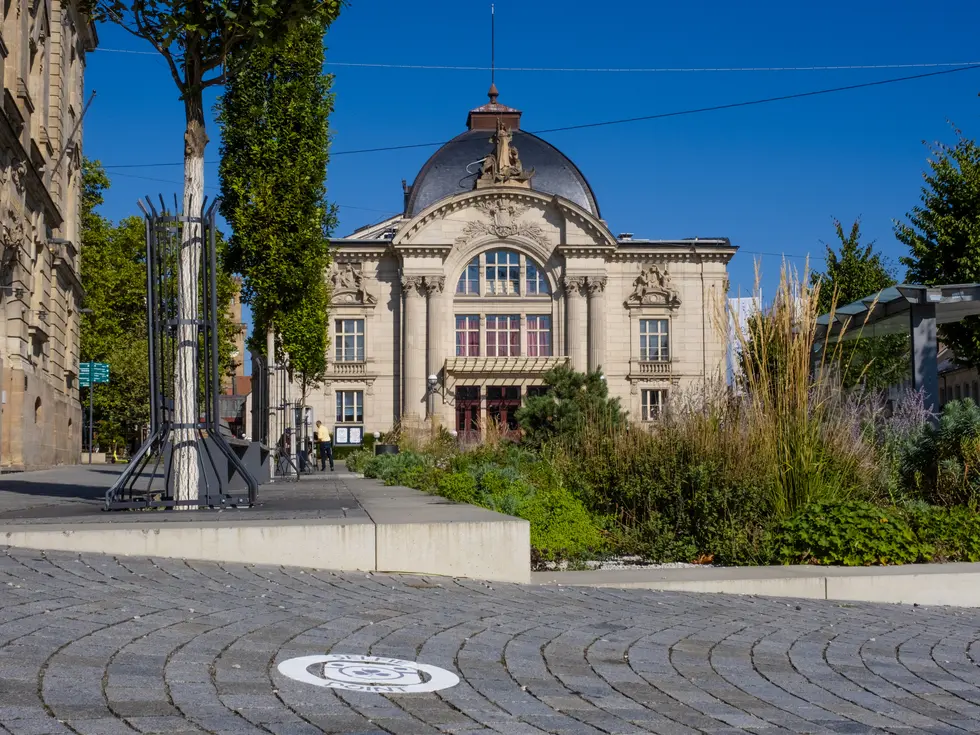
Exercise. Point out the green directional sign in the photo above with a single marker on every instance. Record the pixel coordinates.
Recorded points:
(92, 372)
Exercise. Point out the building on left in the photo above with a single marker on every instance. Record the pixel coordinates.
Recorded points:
(43, 44)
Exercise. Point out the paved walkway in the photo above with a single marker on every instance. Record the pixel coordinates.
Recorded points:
(92, 644)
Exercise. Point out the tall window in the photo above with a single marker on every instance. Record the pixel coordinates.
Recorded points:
(503, 336)
(349, 334)
(654, 340)
(539, 336)
(653, 403)
(503, 273)
(468, 336)
(469, 282)
(350, 407)
(536, 282)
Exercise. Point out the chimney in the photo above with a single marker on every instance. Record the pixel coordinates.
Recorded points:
(625, 236)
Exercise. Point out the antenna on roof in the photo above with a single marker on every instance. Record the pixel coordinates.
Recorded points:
(492, 44)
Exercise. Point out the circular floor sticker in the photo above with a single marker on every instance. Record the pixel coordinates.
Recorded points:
(368, 674)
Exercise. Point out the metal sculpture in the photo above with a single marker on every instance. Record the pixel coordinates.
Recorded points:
(148, 480)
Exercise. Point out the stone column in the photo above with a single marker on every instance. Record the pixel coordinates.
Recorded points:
(413, 288)
(433, 287)
(577, 314)
(597, 321)
(925, 371)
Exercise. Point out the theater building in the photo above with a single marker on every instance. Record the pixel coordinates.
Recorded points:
(500, 268)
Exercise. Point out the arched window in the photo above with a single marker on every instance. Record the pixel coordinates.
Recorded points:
(37, 411)
(502, 273)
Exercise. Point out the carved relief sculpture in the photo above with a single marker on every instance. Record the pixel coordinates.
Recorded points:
(503, 167)
(503, 214)
(653, 287)
(348, 286)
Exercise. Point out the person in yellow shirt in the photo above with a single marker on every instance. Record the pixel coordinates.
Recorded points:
(325, 440)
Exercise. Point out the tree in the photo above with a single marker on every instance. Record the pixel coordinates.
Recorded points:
(859, 271)
(943, 235)
(572, 399)
(113, 274)
(275, 148)
(198, 40)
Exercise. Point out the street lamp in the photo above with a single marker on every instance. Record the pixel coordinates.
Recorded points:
(433, 382)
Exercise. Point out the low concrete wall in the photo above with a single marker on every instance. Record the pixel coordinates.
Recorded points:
(924, 584)
(348, 546)
(495, 550)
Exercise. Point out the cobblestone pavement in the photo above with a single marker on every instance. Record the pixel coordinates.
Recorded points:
(102, 645)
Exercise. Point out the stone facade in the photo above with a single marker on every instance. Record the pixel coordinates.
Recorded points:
(456, 309)
(43, 45)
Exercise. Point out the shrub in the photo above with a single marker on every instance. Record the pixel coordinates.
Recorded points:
(407, 468)
(941, 464)
(460, 487)
(561, 526)
(572, 400)
(953, 533)
(357, 461)
(852, 534)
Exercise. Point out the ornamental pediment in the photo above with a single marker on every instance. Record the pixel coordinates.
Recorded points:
(653, 287)
(502, 213)
(347, 286)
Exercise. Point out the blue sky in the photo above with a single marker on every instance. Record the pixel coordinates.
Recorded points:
(770, 177)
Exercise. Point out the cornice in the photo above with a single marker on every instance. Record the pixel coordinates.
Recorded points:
(675, 256)
(424, 251)
(353, 252)
(587, 251)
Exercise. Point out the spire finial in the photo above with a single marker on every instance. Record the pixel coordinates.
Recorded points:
(493, 93)
(492, 47)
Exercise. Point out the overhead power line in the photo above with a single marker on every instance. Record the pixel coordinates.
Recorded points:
(640, 118)
(652, 69)
(612, 70)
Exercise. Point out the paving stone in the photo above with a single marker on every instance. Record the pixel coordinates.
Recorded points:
(119, 650)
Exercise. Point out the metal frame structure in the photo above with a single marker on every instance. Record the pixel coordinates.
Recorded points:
(911, 309)
(148, 480)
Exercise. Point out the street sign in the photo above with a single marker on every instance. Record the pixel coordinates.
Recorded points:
(92, 372)
(89, 373)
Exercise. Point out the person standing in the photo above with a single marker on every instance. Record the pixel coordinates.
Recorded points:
(325, 439)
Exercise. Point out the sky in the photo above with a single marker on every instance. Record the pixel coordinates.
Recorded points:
(771, 177)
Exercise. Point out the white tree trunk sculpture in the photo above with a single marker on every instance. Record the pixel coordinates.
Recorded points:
(186, 456)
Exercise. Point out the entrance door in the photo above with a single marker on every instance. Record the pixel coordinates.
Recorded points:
(468, 412)
(502, 405)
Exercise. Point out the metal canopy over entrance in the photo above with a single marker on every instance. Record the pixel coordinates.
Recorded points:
(906, 309)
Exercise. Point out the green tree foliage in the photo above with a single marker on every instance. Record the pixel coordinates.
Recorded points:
(274, 153)
(113, 273)
(943, 235)
(572, 400)
(858, 271)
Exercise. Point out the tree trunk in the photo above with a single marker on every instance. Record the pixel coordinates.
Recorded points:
(186, 460)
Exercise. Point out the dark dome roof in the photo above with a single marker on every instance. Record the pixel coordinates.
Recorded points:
(445, 175)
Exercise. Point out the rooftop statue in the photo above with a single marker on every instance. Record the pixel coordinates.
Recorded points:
(503, 166)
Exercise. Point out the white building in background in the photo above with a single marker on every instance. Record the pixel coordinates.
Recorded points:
(740, 310)
(500, 268)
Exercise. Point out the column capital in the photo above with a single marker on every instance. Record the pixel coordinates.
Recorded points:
(423, 285)
(434, 284)
(413, 284)
(574, 284)
(596, 285)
